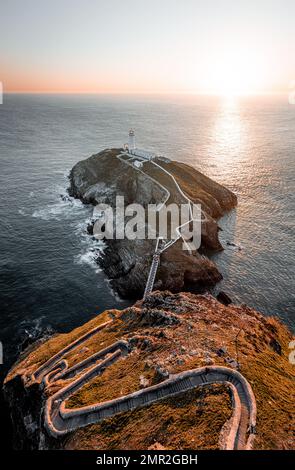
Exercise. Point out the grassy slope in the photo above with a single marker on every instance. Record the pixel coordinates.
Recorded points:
(190, 420)
(204, 326)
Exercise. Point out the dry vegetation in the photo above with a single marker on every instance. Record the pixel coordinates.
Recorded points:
(190, 420)
(200, 327)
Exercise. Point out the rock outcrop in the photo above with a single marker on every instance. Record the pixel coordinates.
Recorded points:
(180, 369)
(102, 177)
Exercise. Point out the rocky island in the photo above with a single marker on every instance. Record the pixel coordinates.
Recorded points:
(103, 176)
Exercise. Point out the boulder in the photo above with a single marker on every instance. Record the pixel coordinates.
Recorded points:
(223, 298)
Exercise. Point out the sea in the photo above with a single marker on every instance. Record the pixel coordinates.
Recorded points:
(49, 279)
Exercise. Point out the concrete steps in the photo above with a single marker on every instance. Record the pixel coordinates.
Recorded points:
(59, 420)
(152, 275)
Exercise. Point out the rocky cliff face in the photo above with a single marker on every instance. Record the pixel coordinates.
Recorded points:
(167, 334)
(102, 177)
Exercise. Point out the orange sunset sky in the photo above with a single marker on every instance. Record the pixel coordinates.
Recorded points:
(217, 46)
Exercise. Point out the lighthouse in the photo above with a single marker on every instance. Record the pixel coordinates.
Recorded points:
(131, 141)
(134, 151)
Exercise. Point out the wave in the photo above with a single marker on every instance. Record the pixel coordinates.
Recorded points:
(88, 257)
(61, 206)
(29, 332)
(78, 216)
(112, 291)
(22, 212)
(92, 248)
(63, 209)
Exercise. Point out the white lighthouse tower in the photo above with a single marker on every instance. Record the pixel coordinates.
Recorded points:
(131, 141)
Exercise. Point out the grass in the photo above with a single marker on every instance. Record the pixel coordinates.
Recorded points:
(204, 326)
(119, 379)
(40, 353)
(191, 420)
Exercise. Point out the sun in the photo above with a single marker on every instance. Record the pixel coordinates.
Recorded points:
(235, 72)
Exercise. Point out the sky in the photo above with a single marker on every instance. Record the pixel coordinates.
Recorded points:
(147, 46)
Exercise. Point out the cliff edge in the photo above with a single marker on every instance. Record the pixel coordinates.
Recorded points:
(176, 371)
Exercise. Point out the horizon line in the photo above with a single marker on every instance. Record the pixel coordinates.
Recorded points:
(190, 93)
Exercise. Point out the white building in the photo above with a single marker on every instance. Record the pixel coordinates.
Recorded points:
(137, 164)
(144, 154)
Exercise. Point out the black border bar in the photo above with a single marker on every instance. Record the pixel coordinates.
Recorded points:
(141, 459)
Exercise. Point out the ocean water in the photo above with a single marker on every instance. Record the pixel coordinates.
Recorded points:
(49, 280)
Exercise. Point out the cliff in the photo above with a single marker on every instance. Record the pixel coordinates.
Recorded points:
(100, 178)
(176, 371)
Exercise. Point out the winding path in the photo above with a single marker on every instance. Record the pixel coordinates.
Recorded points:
(59, 420)
(127, 158)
